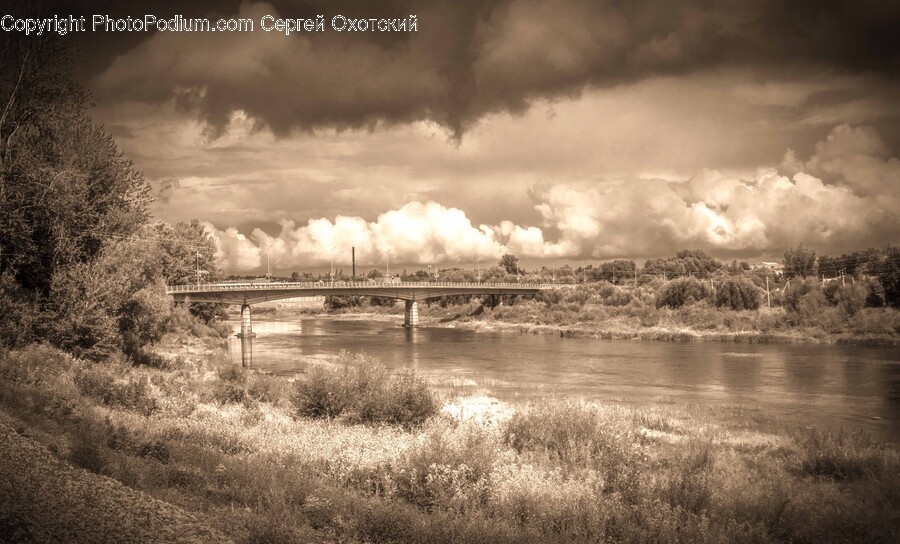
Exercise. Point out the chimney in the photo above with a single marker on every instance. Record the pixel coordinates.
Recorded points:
(353, 250)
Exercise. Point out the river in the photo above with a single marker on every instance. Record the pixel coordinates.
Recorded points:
(775, 385)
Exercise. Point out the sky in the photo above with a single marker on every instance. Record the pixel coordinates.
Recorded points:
(557, 130)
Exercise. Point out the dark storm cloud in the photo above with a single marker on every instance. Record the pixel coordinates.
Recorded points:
(469, 59)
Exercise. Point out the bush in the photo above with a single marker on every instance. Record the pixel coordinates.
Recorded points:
(35, 364)
(738, 295)
(851, 298)
(117, 392)
(804, 301)
(362, 389)
(406, 400)
(681, 291)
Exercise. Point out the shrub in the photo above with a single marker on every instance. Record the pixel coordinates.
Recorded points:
(33, 365)
(127, 392)
(322, 394)
(407, 401)
(805, 302)
(448, 468)
(738, 295)
(681, 291)
(365, 391)
(851, 298)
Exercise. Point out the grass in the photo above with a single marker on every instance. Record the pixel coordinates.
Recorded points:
(232, 445)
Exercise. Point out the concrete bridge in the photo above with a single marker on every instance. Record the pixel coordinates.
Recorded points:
(246, 294)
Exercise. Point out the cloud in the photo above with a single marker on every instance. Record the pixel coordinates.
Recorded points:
(164, 189)
(471, 59)
(761, 214)
(856, 158)
(414, 233)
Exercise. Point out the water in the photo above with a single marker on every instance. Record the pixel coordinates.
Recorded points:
(823, 386)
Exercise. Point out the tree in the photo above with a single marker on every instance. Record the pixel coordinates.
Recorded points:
(116, 302)
(618, 271)
(64, 185)
(800, 262)
(510, 263)
(738, 295)
(682, 291)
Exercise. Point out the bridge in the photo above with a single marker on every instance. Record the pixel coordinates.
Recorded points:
(246, 294)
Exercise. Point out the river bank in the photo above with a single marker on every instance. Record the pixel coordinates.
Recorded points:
(229, 445)
(613, 329)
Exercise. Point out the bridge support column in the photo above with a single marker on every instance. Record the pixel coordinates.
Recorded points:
(246, 335)
(412, 314)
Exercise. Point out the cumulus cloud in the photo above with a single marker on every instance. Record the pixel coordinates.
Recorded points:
(470, 59)
(842, 197)
(414, 233)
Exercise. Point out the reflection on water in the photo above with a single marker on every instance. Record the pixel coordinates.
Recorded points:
(826, 386)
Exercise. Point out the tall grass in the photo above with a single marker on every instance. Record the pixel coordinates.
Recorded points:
(550, 472)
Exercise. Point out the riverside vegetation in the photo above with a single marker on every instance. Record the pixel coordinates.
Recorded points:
(98, 365)
(803, 309)
(350, 452)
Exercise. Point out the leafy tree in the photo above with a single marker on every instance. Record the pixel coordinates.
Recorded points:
(64, 185)
(805, 301)
(617, 271)
(800, 262)
(117, 302)
(510, 263)
(738, 295)
(682, 291)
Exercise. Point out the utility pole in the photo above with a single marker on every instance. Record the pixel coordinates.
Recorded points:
(768, 298)
(198, 266)
(331, 254)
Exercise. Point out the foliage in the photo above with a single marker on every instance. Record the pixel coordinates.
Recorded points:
(804, 301)
(510, 263)
(113, 389)
(66, 186)
(694, 263)
(618, 271)
(116, 302)
(738, 295)
(365, 391)
(682, 291)
(800, 262)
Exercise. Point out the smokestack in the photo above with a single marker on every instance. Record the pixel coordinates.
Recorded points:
(353, 252)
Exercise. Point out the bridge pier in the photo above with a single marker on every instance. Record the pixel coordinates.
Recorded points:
(246, 335)
(412, 314)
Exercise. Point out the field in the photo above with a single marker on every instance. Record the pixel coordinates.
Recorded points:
(350, 453)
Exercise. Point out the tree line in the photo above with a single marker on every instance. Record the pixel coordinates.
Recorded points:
(81, 264)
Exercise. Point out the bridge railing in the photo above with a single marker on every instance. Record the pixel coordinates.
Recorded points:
(207, 287)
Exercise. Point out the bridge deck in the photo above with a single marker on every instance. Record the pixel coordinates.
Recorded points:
(251, 293)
